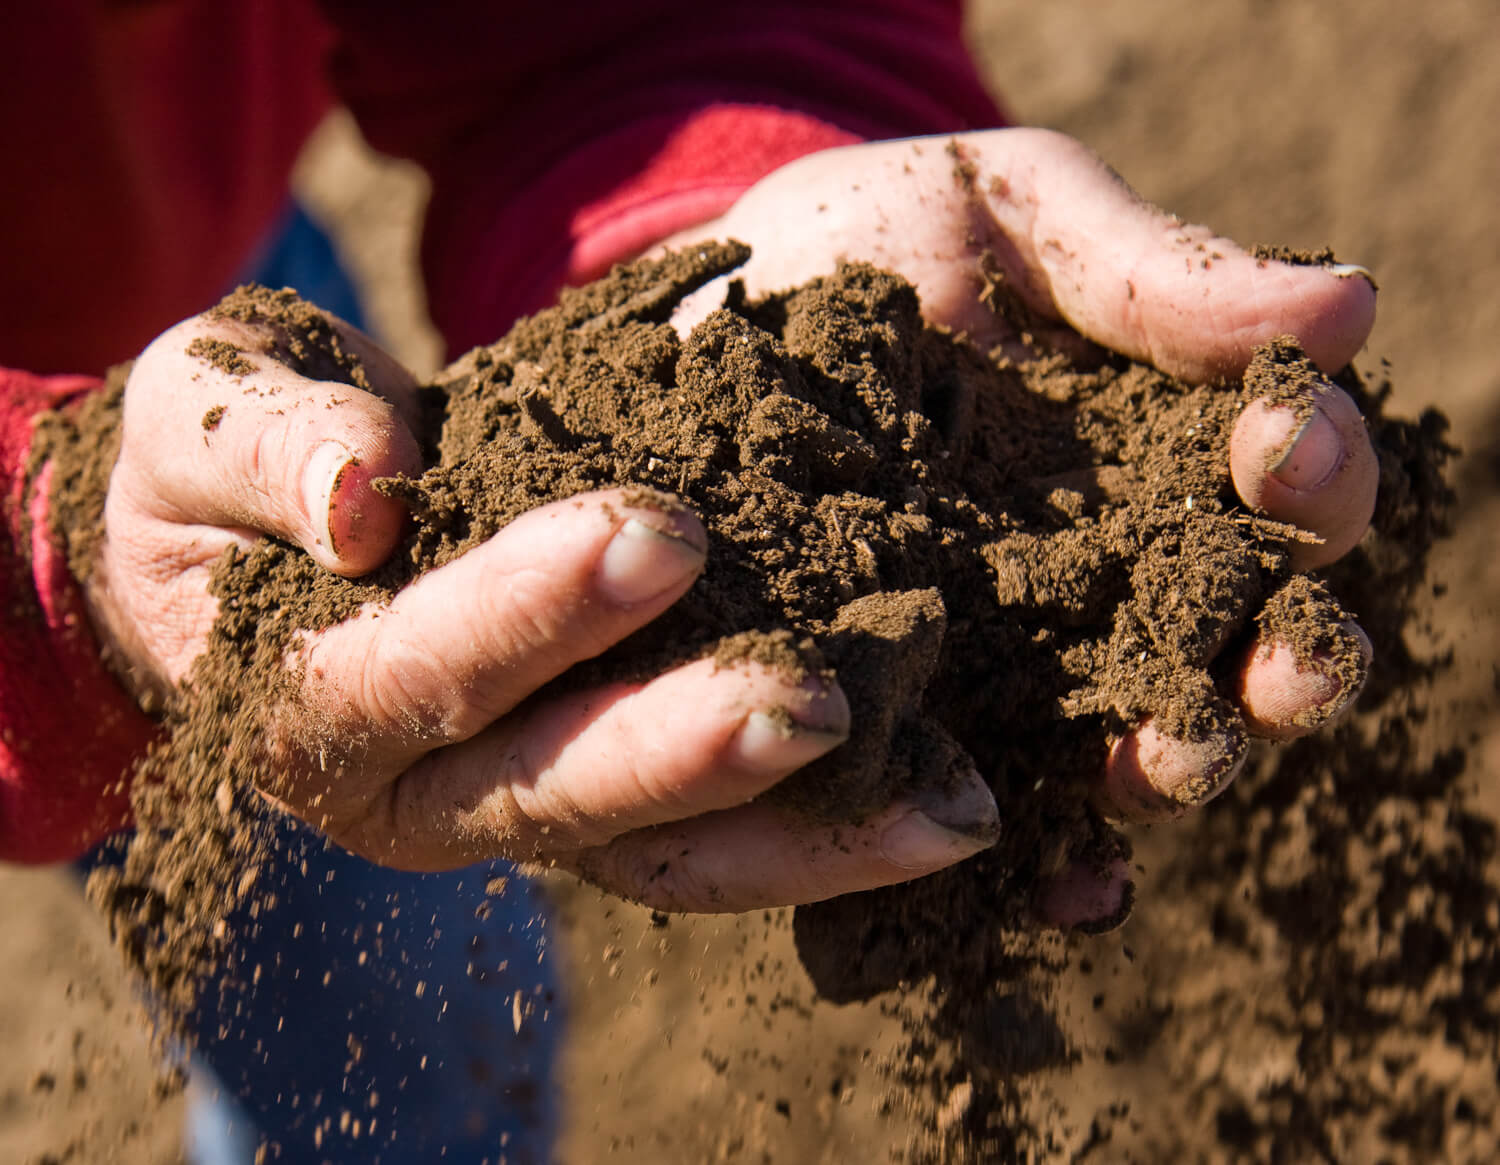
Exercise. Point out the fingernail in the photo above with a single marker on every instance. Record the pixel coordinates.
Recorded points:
(772, 742)
(1312, 455)
(946, 827)
(640, 563)
(320, 482)
(1351, 271)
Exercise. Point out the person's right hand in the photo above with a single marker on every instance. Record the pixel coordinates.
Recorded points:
(1083, 255)
(412, 738)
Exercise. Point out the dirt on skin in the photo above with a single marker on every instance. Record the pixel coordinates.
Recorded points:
(1006, 564)
(1315, 975)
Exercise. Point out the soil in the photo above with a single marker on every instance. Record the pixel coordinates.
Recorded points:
(80, 1083)
(1006, 564)
(1300, 978)
(882, 502)
(1300, 256)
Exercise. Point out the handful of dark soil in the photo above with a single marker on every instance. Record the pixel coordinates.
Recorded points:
(1004, 563)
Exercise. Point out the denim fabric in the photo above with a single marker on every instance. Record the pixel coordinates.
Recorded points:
(298, 253)
(372, 1015)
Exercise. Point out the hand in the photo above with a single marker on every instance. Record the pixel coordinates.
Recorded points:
(1083, 252)
(424, 705)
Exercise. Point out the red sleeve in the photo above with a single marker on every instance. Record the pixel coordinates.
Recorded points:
(565, 137)
(68, 732)
(146, 150)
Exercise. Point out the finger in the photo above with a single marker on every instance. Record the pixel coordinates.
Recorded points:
(584, 769)
(217, 433)
(467, 642)
(760, 856)
(1306, 664)
(1068, 238)
(316, 344)
(1087, 898)
(379, 372)
(1150, 776)
(1286, 692)
(1140, 281)
(1308, 461)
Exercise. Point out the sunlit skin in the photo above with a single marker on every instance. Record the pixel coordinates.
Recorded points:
(455, 763)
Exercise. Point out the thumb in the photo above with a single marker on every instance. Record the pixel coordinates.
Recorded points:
(216, 432)
(1137, 280)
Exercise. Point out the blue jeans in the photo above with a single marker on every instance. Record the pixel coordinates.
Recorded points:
(396, 1018)
(383, 1024)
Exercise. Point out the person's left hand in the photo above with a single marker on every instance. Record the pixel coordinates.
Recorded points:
(1085, 254)
(416, 733)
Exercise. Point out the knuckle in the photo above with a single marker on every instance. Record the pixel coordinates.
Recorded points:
(538, 798)
(264, 470)
(506, 824)
(647, 772)
(654, 783)
(407, 687)
(522, 611)
(664, 875)
(535, 616)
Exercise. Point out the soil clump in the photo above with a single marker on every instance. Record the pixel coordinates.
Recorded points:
(1006, 564)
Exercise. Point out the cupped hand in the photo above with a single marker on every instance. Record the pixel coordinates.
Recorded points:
(411, 736)
(1082, 254)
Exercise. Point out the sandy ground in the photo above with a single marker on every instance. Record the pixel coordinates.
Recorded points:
(1370, 126)
(77, 1073)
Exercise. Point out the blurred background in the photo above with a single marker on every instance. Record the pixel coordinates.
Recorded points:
(1366, 125)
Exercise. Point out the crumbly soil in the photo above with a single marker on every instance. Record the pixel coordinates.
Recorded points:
(1313, 978)
(690, 1042)
(1005, 564)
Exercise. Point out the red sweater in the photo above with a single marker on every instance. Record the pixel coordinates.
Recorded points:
(148, 145)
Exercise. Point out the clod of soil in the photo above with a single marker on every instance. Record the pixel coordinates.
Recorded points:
(1006, 564)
